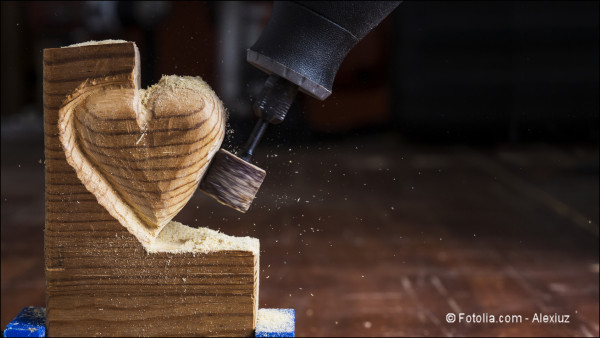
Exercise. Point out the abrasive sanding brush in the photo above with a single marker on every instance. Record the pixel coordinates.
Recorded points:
(301, 48)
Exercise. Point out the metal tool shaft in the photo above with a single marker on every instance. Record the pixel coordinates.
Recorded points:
(257, 133)
(271, 107)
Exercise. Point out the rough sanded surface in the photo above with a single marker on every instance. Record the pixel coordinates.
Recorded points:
(142, 153)
(179, 238)
(93, 42)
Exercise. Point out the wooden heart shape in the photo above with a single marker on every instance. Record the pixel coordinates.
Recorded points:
(142, 153)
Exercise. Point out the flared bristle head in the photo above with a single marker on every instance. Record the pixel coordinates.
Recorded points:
(232, 181)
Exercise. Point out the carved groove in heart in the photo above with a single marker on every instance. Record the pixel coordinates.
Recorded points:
(142, 153)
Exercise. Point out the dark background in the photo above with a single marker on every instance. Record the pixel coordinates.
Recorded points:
(468, 72)
(455, 165)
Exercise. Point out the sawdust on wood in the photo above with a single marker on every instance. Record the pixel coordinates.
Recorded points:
(179, 238)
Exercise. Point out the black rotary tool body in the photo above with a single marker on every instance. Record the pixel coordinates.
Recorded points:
(301, 48)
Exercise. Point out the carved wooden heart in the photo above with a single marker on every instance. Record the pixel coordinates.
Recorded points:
(142, 153)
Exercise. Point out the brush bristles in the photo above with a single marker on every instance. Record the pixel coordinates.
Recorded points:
(232, 181)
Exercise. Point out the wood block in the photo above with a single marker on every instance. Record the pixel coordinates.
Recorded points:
(100, 280)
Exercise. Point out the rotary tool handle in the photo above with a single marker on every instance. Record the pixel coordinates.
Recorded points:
(357, 17)
(305, 42)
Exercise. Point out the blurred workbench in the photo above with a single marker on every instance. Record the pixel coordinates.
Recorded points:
(368, 236)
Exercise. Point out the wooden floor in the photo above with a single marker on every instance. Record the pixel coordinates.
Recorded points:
(371, 237)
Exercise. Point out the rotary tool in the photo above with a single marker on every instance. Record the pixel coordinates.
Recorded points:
(301, 48)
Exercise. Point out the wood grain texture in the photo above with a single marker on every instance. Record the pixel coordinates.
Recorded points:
(142, 153)
(99, 279)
